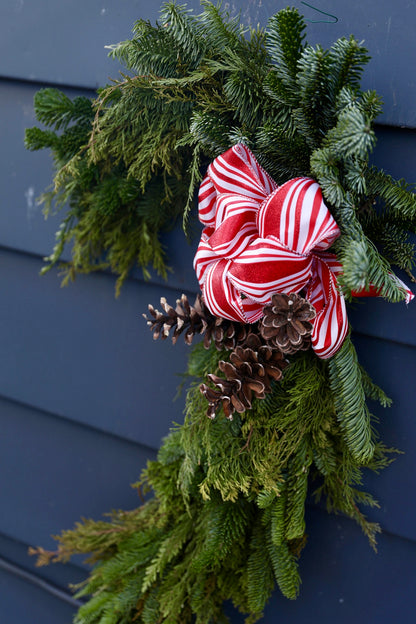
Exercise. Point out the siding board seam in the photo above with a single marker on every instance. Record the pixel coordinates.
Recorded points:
(42, 84)
(77, 423)
(58, 592)
(92, 91)
(383, 339)
(34, 579)
(174, 288)
(134, 277)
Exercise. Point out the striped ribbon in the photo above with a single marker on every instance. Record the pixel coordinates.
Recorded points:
(260, 239)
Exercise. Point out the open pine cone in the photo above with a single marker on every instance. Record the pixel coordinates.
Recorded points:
(249, 372)
(197, 319)
(184, 318)
(225, 334)
(286, 324)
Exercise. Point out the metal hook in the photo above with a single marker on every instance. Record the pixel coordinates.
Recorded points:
(334, 17)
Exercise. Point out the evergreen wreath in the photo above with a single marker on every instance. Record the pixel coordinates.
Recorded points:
(226, 519)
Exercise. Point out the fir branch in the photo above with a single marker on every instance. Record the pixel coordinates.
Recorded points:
(179, 22)
(372, 391)
(285, 569)
(349, 398)
(219, 28)
(57, 110)
(195, 178)
(211, 130)
(352, 136)
(348, 59)
(285, 36)
(168, 550)
(260, 576)
(297, 488)
(36, 139)
(150, 51)
(278, 517)
(397, 195)
(312, 116)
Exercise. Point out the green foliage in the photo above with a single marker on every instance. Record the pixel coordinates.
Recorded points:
(179, 556)
(350, 405)
(260, 574)
(129, 163)
(54, 108)
(285, 36)
(227, 517)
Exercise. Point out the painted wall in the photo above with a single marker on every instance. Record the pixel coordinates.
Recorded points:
(77, 425)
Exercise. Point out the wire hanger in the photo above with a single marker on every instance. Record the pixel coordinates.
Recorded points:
(334, 17)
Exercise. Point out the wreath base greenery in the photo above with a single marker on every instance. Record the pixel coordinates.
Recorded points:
(226, 518)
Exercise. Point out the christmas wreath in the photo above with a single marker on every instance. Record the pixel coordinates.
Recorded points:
(276, 134)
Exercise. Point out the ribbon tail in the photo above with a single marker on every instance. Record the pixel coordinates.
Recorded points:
(330, 326)
(372, 291)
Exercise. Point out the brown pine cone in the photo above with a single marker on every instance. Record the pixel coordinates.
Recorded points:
(225, 334)
(304, 346)
(268, 362)
(286, 323)
(226, 395)
(249, 372)
(196, 319)
(183, 317)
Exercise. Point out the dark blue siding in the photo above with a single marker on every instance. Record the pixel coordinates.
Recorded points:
(81, 354)
(85, 393)
(55, 470)
(393, 367)
(345, 582)
(22, 602)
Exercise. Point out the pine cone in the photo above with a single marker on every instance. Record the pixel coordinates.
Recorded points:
(225, 394)
(196, 319)
(286, 322)
(249, 372)
(184, 318)
(225, 334)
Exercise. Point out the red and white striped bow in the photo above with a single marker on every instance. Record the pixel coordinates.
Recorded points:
(260, 239)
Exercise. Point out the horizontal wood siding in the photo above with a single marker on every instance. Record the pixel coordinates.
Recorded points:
(81, 354)
(54, 471)
(64, 42)
(86, 395)
(23, 602)
(346, 582)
